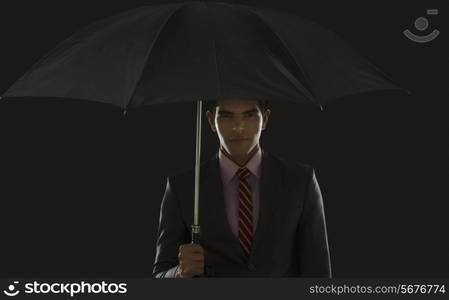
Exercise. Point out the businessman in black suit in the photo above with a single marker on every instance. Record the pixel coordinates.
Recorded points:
(260, 216)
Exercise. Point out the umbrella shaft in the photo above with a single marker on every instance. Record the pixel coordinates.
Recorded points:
(197, 161)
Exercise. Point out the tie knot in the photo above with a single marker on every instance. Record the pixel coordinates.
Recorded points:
(243, 173)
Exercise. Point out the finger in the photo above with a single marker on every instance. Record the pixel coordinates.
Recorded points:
(191, 254)
(198, 271)
(186, 264)
(196, 265)
(188, 272)
(196, 247)
(184, 274)
(193, 257)
(195, 252)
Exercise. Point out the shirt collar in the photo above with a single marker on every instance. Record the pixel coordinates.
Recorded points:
(229, 167)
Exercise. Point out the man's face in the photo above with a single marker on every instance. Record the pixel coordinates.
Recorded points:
(238, 124)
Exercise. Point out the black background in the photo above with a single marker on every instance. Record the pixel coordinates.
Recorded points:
(81, 184)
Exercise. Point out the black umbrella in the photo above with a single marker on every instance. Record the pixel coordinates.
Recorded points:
(198, 51)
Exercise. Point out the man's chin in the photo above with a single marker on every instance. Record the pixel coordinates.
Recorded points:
(240, 149)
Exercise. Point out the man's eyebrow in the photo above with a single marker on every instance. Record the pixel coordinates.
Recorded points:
(225, 112)
(254, 110)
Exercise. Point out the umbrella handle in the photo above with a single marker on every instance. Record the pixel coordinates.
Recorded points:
(196, 239)
(195, 233)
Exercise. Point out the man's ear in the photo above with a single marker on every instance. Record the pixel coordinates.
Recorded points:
(211, 120)
(265, 116)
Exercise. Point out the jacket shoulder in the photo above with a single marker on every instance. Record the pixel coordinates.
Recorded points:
(188, 174)
(290, 167)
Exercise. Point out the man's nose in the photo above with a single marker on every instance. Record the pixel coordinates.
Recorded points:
(239, 124)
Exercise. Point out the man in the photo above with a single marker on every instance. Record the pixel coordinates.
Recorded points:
(259, 215)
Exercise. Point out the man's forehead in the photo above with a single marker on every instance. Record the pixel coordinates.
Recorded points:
(237, 105)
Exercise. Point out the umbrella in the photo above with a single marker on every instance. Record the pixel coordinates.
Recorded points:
(197, 51)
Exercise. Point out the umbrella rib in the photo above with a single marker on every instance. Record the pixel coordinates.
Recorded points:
(215, 52)
(310, 94)
(292, 79)
(147, 56)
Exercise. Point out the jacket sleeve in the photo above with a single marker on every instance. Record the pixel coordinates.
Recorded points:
(311, 239)
(172, 232)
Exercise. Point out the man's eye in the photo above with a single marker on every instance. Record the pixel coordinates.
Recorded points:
(249, 115)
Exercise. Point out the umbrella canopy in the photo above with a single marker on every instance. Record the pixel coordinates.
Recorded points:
(200, 50)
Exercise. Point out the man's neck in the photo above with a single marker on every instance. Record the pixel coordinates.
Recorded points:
(241, 160)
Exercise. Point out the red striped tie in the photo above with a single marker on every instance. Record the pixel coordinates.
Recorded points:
(245, 211)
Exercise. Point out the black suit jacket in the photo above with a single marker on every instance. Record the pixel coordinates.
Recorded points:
(290, 238)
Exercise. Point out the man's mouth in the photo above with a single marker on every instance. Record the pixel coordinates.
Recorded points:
(238, 139)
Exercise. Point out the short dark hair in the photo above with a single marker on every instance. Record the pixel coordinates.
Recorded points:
(211, 104)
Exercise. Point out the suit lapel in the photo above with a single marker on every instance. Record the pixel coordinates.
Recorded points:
(270, 197)
(213, 219)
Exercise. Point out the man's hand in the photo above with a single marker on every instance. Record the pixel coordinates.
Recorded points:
(191, 261)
